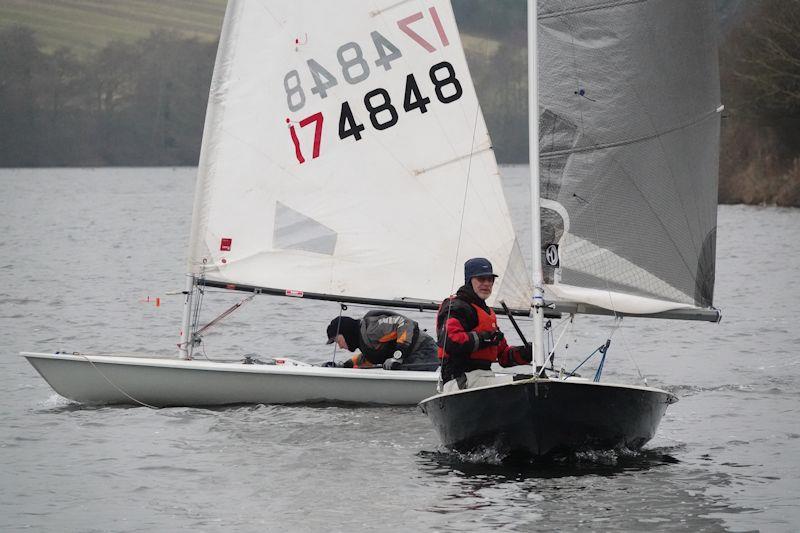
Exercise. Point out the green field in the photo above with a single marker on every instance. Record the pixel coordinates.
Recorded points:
(86, 25)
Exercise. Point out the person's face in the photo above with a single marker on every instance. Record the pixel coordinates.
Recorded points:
(482, 285)
(340, 342)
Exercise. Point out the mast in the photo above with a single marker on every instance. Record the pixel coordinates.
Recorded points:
(539, 356)
(185, 346)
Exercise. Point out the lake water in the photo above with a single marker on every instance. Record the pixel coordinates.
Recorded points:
(82, 250)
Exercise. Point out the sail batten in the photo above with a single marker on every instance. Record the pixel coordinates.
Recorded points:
(590, 6)
(451, 161)
(544, 154)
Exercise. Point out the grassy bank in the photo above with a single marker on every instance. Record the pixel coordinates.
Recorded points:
(85, 26)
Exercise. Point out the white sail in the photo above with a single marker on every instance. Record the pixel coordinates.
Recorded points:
(303, 188)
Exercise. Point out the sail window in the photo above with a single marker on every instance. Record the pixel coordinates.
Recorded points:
(296, 231)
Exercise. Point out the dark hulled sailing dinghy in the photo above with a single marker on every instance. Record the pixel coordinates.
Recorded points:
(342, 141)
(623, 210)
(546, 416)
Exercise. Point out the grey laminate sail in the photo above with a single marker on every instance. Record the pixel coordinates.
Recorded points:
(629, 108)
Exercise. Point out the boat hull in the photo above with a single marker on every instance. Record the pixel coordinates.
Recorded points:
(540, 417)
(160, 382)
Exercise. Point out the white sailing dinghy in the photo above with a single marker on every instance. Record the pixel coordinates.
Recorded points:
(343, 141)
(623, 210)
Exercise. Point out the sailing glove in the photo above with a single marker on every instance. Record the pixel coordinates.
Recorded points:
(526, 352)
(347, 363)
(392, 364)
(489, 338)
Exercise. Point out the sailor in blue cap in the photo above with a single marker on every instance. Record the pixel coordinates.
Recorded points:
(468, 337)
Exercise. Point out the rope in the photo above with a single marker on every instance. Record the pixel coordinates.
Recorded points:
(558, 341)
(224, 314)
(587, 358)
(342, 307)
(632, 360)
(603, 350)
(551, 346)
(458, 241)
(114, 384)
(463, 206)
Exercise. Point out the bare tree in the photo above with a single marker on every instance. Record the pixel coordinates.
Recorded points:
(765, 60)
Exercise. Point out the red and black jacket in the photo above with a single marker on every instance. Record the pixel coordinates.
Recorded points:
(459, 320)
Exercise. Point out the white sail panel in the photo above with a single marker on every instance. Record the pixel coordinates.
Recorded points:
(345, 153)
(619, 302)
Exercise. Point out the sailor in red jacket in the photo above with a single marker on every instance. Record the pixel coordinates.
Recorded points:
(468, 337)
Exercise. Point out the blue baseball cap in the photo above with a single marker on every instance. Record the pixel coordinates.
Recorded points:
(477, 266)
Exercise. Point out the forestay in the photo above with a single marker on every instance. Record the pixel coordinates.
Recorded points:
(629, 120)
(343, 145)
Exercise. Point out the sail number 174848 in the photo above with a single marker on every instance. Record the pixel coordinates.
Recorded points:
(383, 113)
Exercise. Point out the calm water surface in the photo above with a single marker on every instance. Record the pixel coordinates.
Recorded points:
(81, 251)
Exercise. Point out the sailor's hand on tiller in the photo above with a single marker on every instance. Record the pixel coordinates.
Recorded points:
(490, 338)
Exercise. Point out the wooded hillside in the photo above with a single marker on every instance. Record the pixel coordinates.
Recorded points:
(93, 92)
(85, 26)
(760, 71)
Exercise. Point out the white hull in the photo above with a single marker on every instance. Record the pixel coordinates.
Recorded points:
(108, 379)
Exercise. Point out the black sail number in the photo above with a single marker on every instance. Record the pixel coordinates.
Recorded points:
(348, 127)
(384, 107)
(378, 102)
(441, 81)
(413, 98)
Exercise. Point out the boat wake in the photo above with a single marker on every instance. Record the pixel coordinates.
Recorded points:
(779, 385)
(57, 403)
(691, 390)
(490, 460)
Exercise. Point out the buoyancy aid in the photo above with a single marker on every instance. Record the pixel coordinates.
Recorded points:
(487, 321)
(358, 361)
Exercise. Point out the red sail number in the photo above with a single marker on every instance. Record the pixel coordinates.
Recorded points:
(317, 119)
(405, 25)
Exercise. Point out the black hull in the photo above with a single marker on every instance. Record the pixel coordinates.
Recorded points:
(544, 417)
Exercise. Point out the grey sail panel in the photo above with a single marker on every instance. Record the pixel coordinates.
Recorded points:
(629, 135)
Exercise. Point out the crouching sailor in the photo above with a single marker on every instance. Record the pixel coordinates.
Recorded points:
(468, 337)
(384, 338)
